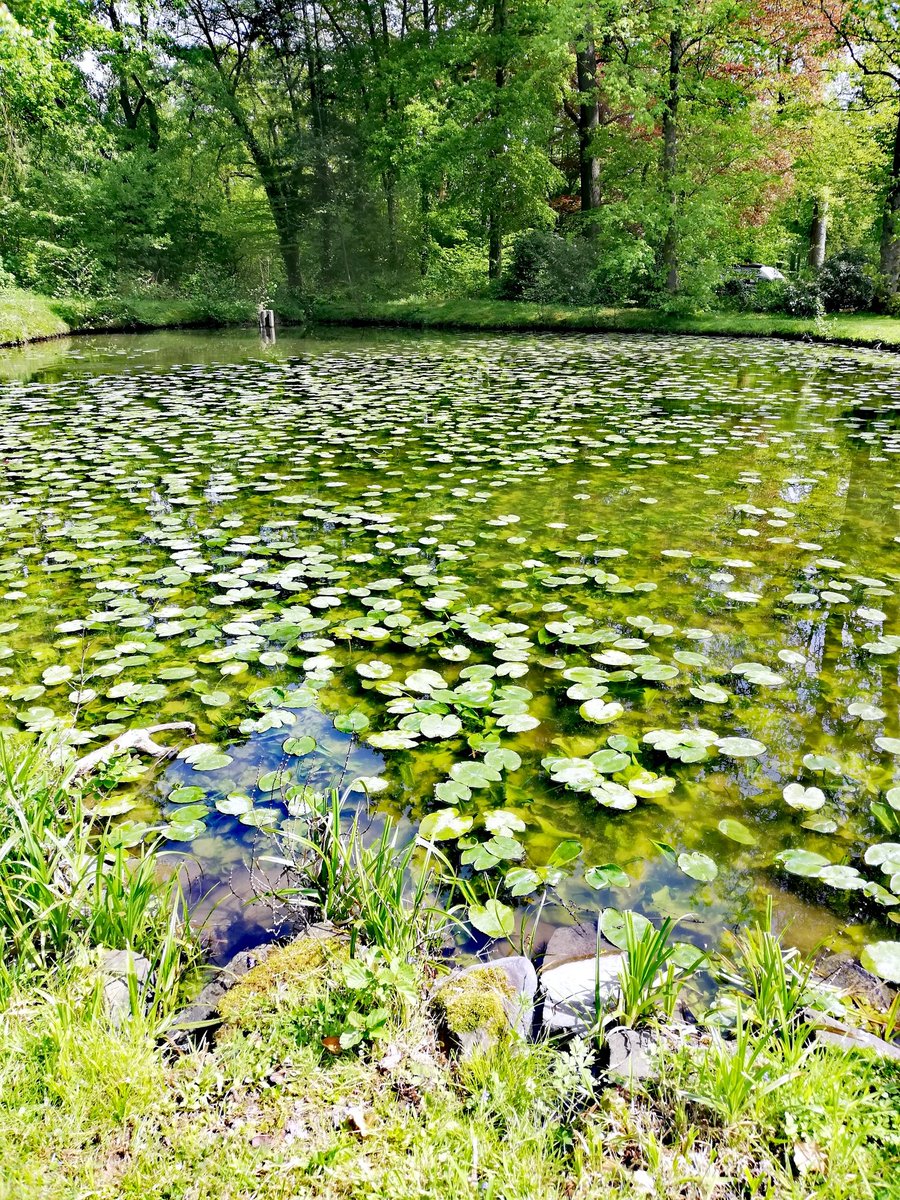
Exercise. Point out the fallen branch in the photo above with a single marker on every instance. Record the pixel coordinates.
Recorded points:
(132, 739)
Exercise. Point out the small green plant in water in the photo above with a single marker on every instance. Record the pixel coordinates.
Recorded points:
(776, 984)
(385, 893)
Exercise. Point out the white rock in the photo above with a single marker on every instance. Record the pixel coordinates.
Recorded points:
(117, 966)
(571, 989)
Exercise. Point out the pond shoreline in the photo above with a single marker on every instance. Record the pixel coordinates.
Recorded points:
(502, 316)
(27, 318)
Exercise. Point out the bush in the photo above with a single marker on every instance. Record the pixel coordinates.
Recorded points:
(795, 299)
(740, 292)
(545, 268)
(846, 282)
(55, 270)
(801, 299)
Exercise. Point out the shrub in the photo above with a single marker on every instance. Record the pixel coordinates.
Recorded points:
(800, 299)
(545, 268)
(846, 282)
(56, 270)
(740, 293)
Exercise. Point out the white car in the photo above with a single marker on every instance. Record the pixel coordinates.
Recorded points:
(757, 272)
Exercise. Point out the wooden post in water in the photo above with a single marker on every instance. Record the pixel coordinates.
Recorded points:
(266, 319)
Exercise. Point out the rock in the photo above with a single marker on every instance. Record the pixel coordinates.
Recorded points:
(843, 973)
(630, 1053)
(201, 1017)
(830, 1032)
(483, 1003)
(570, 942)
(572, 988)
(118, 966)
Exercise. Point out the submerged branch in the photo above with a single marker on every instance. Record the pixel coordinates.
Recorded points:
(132, 739)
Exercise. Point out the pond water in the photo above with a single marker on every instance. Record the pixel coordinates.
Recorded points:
(616, 615)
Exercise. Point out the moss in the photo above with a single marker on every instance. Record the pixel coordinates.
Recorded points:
(289, 977)
(476, 1002)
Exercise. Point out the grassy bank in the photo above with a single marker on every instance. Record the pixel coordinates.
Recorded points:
(852, 329)
(26, 316)
(333, 1074)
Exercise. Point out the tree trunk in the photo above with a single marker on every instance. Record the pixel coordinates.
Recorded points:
(288, 222)
(495, 221)
(425, 210)
(588, 122)
(319, 122)
(890, 225)
(818, 233)
(670, 161)
(389, 186)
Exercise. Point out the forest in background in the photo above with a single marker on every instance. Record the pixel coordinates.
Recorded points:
(571, 151)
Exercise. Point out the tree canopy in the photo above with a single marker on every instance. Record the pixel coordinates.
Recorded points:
(616, 151)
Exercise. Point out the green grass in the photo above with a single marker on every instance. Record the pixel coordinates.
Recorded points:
(90, 1109)
(858, 329)
(26, 316)
(327, 1079)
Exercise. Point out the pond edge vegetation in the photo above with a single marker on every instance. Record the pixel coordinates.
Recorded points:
(334, 1068)
(29, 317)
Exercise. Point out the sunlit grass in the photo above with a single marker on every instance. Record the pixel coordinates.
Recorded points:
(26, 316)
(863, 329)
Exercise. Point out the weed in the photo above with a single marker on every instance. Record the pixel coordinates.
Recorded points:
(651, 980)
(778, 983)
(66, 889)
(383, 892)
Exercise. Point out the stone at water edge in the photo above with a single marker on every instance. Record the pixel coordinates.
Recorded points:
(117, 966)
(630, 1053)
(568, 942)
(845, 975)
(201, 1017)
(569, 975)
(572, 990)
(481, 1004)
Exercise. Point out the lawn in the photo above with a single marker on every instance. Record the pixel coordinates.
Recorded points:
(26, 316)
(858, 329)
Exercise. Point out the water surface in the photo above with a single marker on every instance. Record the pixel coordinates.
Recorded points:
(463, 566)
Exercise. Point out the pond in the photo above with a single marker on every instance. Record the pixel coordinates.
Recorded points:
(614, 615)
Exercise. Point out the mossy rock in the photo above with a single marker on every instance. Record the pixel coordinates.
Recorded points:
(290, 977)
(484, 1004)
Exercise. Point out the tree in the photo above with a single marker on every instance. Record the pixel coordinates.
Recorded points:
(869, 31)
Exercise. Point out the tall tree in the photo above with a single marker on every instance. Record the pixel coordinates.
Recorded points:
(258, 70)
(869, 31)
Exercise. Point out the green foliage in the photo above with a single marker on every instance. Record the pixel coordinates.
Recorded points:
(249, 156)
(366, 887)
(68, 889)
(476, 1002)
(847, 282)
(651, 977)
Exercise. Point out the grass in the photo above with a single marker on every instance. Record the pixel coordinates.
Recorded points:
(856, 329)
(26, 316)
(366, 887)
(68, 891)
(328, 1081)
(88, 1109)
